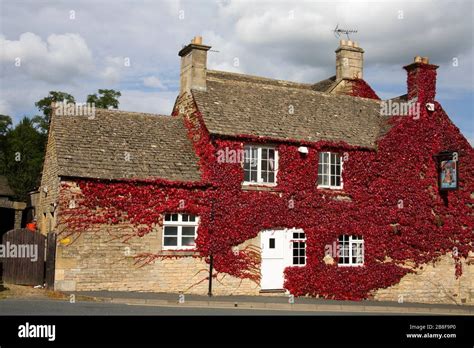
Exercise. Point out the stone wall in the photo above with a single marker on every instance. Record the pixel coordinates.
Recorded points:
(97, 262)
(46, 209)
(434, 283)
(101, 261)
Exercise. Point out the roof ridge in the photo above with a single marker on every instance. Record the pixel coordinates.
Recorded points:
(257, 78)
(308, 91)
(126, 112)
(139, 113)
(291, 85)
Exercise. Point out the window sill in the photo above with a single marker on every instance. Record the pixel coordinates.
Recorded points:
(272, 291)
(258, 187)
(179, 252)
(344, 265)
(330, 188)
(335, 194)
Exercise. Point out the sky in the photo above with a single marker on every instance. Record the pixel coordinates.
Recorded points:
(132, 46)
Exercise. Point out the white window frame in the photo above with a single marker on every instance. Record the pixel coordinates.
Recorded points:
(353, 240)
(332, 187)
(298, 240)
(179, 224)
(259, 165)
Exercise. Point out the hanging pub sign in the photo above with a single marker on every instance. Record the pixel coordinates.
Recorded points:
(448, 170)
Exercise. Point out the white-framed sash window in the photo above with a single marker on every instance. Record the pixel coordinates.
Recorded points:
(299, 248)
(179, 231)
(330, 170)
(260, 165)
(351, 250)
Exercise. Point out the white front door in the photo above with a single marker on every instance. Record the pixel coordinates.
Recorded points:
(277, 254)
(273, 259)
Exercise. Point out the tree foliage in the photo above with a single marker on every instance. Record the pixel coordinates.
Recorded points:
(5, 126)
(44, 105)
(105, 99)
(23, 151)
(22, 147)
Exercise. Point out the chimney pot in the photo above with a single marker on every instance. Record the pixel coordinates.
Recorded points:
(197, 40)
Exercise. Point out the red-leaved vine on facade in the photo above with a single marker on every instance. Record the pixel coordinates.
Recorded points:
(360, 88)
(390, 197)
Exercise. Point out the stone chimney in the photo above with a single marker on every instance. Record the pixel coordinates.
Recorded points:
(349, 60)
(421, 80)
(193, 66)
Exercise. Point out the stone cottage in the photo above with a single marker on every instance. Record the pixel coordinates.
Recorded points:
(266, 186)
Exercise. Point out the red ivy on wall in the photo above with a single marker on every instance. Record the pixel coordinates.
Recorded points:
(394, 204)
(360, 88)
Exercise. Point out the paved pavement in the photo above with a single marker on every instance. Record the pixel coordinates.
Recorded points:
(280, 303)
(54, 307)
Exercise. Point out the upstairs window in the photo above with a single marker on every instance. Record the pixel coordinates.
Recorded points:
(260, 165)
(351, 250)
(330, 170)
(179, 231)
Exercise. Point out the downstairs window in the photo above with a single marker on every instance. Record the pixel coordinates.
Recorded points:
(351, 250)
(179, 231)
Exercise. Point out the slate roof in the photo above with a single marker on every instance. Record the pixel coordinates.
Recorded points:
(400, 98)
(387, 125)
(324, 85)
(5, 189)
(236, 104)
(158, 146)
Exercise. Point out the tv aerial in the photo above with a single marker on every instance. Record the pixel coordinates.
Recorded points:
(339, 31)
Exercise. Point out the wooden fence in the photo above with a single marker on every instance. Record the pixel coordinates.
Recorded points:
(24, 260)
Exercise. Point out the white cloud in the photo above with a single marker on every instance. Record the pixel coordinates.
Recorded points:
(5, 108)
(152, 102)
(280, 39)
(114, 69)
(289, 35)
(153, 82)
(60, 58)
(111, 74)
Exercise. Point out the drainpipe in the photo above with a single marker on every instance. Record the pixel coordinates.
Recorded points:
(211, 265)
(211, 257)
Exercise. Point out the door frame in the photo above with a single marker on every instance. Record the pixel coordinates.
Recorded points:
(287, 252)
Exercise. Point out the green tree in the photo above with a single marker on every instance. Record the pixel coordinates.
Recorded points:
(5, 124)
(5, 127)
(107, 98)
(23, 150)
(44, 105)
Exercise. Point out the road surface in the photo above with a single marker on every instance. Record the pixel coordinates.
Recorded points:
(54, 307)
